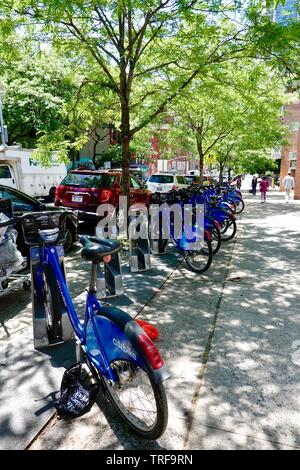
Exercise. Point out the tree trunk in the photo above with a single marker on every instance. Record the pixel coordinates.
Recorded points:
(73, 158)
(201, 160)
(229, 174)
(222, 164)
(125, 136)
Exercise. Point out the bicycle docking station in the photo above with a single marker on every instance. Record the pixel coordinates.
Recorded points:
(139, 247)
(159, 246)
(158, 243)
(60, 330)
(109, 279)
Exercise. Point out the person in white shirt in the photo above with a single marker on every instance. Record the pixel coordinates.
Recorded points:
(288, 184)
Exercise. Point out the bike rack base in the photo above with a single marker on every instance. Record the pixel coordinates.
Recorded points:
(139, 255)
(109, 279)
(159, 247)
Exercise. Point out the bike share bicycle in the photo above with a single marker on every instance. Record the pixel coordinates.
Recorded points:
(119, 354)
(198, 260)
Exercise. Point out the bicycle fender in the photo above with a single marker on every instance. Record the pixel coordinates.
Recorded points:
(129, 330)
(133, 330)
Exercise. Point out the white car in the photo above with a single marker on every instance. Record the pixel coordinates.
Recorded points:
(165, 182)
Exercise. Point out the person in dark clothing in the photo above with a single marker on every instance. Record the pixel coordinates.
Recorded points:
(254, 185)
(239, 182)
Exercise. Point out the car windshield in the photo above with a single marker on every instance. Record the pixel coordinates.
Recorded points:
(84, 180)
(161, 179)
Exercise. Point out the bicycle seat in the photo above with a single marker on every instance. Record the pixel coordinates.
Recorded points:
(94, 249)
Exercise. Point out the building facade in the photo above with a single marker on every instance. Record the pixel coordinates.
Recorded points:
(290, 153)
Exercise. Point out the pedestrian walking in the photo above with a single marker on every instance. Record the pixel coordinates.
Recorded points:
(264, 186)
(288, 184)
(239, 182)
(254, 185)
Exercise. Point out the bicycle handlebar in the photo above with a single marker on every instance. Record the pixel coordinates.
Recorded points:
(6, 223)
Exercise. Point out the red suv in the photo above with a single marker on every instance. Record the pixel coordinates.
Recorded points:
(86, 189)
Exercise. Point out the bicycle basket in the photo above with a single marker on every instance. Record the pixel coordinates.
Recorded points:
(33, 222)
(76, 395)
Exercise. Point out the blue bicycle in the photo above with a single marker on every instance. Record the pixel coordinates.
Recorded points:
(116, 349)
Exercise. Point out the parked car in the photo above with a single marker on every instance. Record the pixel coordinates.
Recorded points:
(165, 182)
(85, 190)
(194, 179)
(22, 204)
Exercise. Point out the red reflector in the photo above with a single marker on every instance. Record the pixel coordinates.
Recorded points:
(217, 224)
(105, 195)
(151, 351)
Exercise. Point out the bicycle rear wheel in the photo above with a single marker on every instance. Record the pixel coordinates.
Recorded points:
(141, 402)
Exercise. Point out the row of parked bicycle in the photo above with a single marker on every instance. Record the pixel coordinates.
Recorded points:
(122, 359)
(221, 204)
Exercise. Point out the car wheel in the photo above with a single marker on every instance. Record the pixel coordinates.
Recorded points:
(69, 238)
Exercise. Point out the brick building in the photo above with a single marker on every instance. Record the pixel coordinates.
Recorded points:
(290, 153)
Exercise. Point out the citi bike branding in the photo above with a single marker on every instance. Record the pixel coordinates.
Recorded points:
(123, 347)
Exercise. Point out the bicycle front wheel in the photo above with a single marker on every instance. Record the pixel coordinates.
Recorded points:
(141, 402)
(228, 229)
(199, 261)
(240, 206)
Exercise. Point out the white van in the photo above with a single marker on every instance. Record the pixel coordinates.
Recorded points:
(165, 182)
(18, 169)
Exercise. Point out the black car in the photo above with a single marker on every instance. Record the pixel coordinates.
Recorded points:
(22, 204)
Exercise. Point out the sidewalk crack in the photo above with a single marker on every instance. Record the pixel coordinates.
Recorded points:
(205, 356)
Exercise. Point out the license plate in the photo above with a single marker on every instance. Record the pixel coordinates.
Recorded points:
(77, 198)
(159, 188)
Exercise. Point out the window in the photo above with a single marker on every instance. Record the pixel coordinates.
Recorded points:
(5, 172)
(19, 203)
(163, 179)
(89, 180)
(293, 155)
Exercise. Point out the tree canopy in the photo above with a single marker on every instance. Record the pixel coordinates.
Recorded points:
(141, 55)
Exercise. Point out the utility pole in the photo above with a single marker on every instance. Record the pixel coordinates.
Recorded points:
(3, 128)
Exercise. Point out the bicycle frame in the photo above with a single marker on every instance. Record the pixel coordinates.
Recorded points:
(100, 337)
